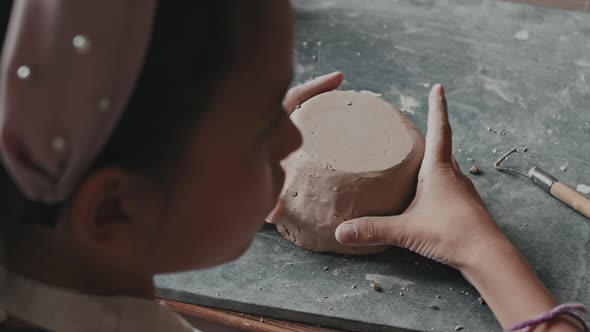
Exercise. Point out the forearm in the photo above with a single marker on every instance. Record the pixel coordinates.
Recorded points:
(512, 290)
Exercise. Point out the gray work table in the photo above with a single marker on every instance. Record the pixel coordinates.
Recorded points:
(516, 76)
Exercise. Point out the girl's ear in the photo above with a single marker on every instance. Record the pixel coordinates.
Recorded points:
(102, 215)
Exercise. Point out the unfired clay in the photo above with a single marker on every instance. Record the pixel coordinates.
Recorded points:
(360, 157)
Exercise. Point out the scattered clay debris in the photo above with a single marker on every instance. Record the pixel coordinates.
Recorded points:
(470, 159)
(353, 286)
(433, 307)
(438, 297)
(458, 328)
(481, 300)
(564, 167)
(376, 287)
(259, 288)
(295, 194)
(350, 103)
(525, 149)
(494, 151)
(297, 107)
(401, 294)
(326, 268)
(474, 169)
(526, 225)
(325, 297)
(289, 264)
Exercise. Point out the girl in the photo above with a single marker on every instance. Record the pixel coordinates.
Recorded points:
(141, 137)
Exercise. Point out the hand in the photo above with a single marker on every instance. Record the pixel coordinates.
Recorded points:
(447, 221)
(301, 93)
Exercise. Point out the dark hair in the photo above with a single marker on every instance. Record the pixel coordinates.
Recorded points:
(191, 49)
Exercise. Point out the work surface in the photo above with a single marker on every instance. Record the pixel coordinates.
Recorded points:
(515, 76)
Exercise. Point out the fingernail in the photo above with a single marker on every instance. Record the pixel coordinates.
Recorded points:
(346, 233)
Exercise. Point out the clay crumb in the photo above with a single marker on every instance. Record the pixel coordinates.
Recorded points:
(525, 149)
(481, 301)
(470, 159)
(261, 320)
(564, 167)
(353, 286)
(349, 103)
(376, 287)
(298, 107)
(474, 169)
(433, 307)
(295, 194)
(401, 294)
(438, 297)
(458, 328)
(289, 264)
(326, 268)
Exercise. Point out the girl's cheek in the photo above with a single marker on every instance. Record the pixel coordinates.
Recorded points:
(289, 140)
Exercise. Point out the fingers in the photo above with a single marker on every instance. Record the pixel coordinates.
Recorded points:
(275, 214)
(372, 231)
(439, 147)
(301, 93)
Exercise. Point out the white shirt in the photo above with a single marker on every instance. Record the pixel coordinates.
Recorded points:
(64, 310)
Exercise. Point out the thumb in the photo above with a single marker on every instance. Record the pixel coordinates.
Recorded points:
(372, 231)
(301, 93)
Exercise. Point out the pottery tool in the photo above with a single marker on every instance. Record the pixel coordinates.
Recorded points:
(547, 182)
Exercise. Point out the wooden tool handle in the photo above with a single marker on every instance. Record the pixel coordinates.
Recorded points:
(571, 197)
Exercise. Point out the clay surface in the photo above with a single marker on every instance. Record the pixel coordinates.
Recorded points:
(360, 157)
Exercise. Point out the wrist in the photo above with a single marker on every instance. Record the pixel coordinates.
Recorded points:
(507, 283)
(494, 247)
